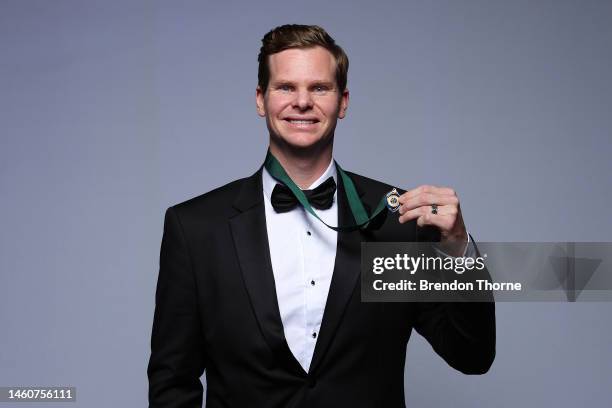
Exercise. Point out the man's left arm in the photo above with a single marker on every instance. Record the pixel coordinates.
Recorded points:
(463, 333)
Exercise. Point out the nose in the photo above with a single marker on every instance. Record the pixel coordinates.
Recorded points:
(303, 100)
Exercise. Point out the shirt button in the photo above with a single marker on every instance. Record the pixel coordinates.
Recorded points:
(312, 282)
(308, 232)
(314, 335)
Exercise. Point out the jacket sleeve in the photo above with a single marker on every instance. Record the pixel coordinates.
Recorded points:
(462, 333)
(177, 354)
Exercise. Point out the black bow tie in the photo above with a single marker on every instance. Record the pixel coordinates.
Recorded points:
(320, 198)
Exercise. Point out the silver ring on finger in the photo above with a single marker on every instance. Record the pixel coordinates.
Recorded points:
(434, 209)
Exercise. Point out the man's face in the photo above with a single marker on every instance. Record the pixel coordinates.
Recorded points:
(302, 103)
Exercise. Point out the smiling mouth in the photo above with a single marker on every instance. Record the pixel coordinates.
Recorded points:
(302, 121)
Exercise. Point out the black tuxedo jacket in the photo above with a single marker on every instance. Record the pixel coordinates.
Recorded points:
(217, 310)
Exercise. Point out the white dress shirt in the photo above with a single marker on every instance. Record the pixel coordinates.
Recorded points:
(303, 253)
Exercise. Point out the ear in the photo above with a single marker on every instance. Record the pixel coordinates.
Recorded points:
(259, 101)
(344, 100)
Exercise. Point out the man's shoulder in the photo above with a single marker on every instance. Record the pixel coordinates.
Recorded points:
(214, 204)
(370, 185)
(212, 197)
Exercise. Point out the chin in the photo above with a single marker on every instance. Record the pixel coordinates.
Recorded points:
(302, 141)
(307, 145)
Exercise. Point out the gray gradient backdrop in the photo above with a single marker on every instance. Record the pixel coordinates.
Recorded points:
(111, 111)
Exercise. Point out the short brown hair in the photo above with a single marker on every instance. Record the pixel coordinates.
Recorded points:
(299, 36)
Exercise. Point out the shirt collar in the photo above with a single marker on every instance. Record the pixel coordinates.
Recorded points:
(269, 182)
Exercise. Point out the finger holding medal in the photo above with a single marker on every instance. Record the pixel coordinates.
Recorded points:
(439, 207)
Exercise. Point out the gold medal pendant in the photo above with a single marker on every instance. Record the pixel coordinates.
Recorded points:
(392, 198)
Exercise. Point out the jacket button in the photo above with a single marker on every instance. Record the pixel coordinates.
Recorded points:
(312, 382)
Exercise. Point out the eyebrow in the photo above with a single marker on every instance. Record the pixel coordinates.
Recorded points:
(326, 83)
(313, 83)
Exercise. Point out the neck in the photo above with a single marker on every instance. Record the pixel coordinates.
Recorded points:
(304, 168)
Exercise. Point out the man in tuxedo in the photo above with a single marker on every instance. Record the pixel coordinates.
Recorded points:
(266, 298)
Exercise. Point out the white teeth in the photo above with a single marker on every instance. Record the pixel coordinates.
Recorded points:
(302, 122)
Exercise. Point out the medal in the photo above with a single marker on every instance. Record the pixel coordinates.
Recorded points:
(392, 199)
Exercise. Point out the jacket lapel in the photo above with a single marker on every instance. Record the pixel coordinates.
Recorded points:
(251, 242)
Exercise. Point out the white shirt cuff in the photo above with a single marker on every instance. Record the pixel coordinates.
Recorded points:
(470, 250)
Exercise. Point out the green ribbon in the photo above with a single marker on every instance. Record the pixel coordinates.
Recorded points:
(359, 212)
